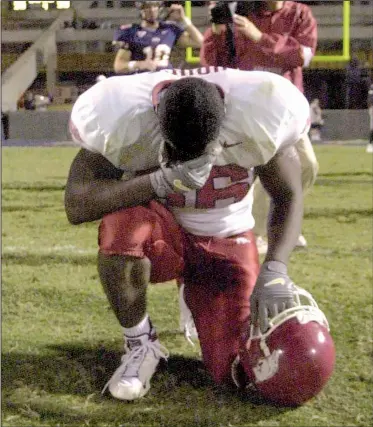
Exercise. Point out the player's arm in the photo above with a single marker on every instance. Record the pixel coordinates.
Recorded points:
(191, 37)
(94, 188)
(122, 60)
(281, 177)
(123, 63)
(274, 290)
(285, 51)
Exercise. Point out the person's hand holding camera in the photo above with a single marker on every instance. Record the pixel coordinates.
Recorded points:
(247, 28)
(176, 13)
(216, 28)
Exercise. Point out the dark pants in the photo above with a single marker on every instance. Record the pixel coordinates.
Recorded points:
(4, 126)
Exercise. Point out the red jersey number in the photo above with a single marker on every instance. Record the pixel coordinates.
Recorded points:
(226, 185)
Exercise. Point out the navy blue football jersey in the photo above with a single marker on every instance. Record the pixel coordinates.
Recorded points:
(146, 43)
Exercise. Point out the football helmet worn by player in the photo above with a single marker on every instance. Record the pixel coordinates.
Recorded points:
(293, 360)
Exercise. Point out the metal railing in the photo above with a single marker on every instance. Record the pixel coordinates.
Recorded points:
(20, 75)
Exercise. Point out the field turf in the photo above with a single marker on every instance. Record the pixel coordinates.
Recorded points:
(61, 342)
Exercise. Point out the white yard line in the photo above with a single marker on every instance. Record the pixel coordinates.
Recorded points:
(64, 249)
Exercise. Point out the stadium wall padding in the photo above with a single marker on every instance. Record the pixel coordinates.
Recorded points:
(39, 125)
(53, 125)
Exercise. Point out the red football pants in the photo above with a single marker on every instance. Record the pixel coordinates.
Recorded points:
(219, 274)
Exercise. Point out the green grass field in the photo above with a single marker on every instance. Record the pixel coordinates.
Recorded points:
(60, 341)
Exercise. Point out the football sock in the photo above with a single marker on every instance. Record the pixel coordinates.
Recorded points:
(144, 327)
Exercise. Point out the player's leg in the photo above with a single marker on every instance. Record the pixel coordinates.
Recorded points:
(137, 246)
(220, 275)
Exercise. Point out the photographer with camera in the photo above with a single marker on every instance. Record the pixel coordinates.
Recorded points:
(275, 36)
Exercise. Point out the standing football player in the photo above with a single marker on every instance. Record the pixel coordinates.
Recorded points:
(147, 46)
(189, 143)
(275, 36)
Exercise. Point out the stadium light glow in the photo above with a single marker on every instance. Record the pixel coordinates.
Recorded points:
(345, 56)
(44, 4)
(19, 5)
(22, 5)
(63, 4)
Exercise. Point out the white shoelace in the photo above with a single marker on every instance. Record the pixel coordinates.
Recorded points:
(131, 362)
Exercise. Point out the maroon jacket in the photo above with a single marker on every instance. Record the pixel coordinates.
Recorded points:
(289, 41)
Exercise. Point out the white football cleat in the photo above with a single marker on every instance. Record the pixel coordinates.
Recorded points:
(262, 245)
(186, 322)
(369, 148)
(302, 242)
(132, 379)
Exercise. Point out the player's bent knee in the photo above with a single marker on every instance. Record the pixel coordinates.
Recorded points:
(126, 232)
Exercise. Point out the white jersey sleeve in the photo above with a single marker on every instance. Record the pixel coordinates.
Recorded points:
(115, 118)
(270, 111)
(99, 114)
(264, 113)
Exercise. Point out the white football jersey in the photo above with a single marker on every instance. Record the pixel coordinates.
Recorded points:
(264, 113)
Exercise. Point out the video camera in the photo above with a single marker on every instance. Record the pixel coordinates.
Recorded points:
(221, 13)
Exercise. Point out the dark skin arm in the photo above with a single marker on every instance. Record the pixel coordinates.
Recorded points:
(281, 178)
(94, 188)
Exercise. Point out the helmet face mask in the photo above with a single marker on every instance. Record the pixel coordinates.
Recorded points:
(292, 361)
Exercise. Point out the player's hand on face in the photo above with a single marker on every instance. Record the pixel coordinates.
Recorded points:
(183, 177)
(273, 293)
(191, 175)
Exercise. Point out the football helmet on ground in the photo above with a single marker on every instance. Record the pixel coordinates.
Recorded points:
(292, 361)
